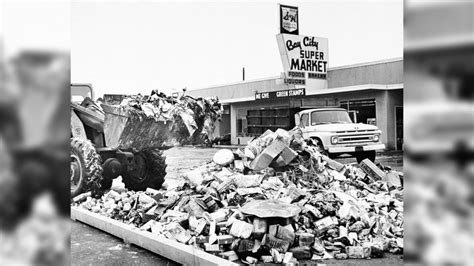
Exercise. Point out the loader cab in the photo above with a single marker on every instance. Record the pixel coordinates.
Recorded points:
(81, 91)
(87, 118)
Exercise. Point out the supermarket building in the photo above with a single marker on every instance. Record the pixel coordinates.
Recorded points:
(372, 93)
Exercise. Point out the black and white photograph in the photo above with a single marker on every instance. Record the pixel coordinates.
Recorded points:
(236, 132)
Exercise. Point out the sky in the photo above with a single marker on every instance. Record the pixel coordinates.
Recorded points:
(131, 47)
(137, 47)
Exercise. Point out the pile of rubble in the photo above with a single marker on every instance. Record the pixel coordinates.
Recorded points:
(197, 115)
(278, 200)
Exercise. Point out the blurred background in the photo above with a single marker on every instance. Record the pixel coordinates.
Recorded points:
(439, 131)
(34, 131)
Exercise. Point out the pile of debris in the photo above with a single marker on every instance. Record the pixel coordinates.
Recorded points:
(278, 200)
(193, 119)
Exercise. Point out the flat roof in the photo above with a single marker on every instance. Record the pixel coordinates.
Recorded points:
(237, 83)
(384, 61)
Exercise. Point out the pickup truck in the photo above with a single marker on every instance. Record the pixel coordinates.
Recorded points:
(334, 133)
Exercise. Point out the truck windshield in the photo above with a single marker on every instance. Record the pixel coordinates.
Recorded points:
(329, 116)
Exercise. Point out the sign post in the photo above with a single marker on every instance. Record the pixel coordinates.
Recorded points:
(304, 58)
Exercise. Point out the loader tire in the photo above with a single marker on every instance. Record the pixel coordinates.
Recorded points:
(86, 168)
(147, 171)
(106, 183)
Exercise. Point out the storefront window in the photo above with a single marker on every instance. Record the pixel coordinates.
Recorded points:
(260, 120)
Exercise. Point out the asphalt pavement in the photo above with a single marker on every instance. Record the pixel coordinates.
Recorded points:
(90, 246)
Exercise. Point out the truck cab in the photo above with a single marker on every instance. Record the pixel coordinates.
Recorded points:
(334, 133)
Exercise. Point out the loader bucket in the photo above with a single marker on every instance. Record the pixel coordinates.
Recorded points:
(128, 129)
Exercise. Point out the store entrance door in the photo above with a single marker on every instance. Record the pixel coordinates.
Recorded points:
(353, 115)
(364, 110)
(399, 127)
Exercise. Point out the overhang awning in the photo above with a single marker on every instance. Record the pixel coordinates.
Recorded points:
(363, 87)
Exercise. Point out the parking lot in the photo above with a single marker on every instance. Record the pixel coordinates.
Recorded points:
(181, 159)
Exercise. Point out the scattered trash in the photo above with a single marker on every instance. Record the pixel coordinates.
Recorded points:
(81, 197)
(371, 169)
(117, 247)
(358, 252)
(241, 229)
(270, 208)
(279, 201)
(223, 157)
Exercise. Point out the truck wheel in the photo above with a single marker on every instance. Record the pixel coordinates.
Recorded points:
(360, 156)
(147, 170)
(86, 168)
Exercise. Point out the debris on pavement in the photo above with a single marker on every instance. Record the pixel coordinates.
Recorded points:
(223, 157)
(277, 200)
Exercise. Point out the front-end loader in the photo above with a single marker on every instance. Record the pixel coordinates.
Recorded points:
(107, 142)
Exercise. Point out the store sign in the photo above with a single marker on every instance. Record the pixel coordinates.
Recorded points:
(304, 58)
(296, 78)
(289, 19)
(280, 94)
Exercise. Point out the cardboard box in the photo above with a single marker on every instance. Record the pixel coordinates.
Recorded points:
(266, 259)
(282, 232)
(212, 247)
(333, 164)
(393, 180)
(305, 239)
(287, 257)
(241, 229)
(259, 227)
(239, 165)
(200, 226)
(264, 159)
(271, 242)
(225, 239)
(372, 170)
(322, 225)
(358, 252)
(285, 158)
(202, 239)
(301, 253)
